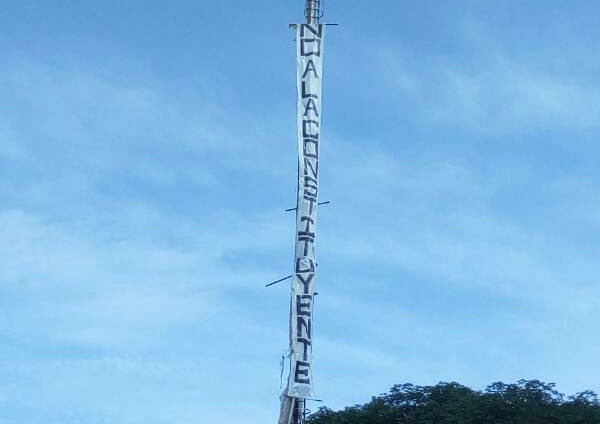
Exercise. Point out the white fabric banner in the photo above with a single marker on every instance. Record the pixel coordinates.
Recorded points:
(310, 68)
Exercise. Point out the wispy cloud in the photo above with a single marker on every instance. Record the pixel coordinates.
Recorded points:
(488, 88)
(456, 267)
(142, 213)
(113, 291)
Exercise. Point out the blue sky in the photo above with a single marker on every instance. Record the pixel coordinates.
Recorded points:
(147, 152)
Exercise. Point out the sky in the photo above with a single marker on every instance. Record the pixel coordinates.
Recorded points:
(147, 154)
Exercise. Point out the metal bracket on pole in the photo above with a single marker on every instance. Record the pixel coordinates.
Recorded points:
(279, 281)
(319, 204)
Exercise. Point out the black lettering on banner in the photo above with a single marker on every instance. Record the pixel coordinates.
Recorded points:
(310, 67)
(302, 370)
(316, 31)
(306, 94)
(309, 111)
(309, 181)
(311, 105)
(310, 193)
(312, 202)
(307, 242)
(310, 47)
(304, 305)
(311, 168)
(310, 187)
(304, 327)
(300, 262)
(306, 343)
(306, 283)
(306, 236)
(304, 265)
(307, 129)
(309, 152)
(307, 231)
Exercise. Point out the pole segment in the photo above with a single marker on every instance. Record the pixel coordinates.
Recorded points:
(313, 11)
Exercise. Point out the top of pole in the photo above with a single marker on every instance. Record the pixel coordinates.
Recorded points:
(312, 11)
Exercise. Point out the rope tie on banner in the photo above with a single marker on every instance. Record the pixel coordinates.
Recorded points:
(286, 354)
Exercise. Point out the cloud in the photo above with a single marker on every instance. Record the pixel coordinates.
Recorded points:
(429, 258)
(140, 222)
(489, 88)
(126, 276)
(441, 217)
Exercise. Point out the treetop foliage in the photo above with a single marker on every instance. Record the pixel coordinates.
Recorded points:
(523, 402)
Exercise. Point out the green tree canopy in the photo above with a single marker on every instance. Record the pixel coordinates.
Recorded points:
(523, 402)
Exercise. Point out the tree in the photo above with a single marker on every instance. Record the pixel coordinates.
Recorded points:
(523, 402)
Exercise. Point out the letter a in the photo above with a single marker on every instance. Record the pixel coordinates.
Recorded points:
(311, 105)
(310, 67)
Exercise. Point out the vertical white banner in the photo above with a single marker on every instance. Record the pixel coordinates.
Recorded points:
(310, 81)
